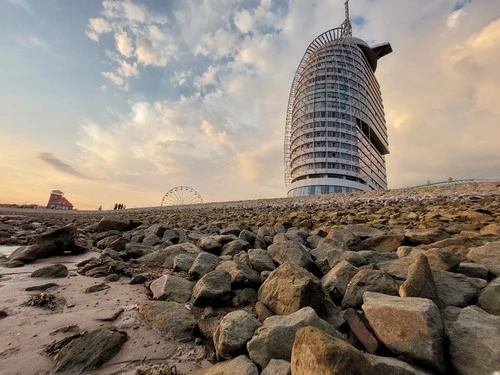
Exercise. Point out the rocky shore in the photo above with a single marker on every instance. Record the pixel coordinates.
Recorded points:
(398, 282)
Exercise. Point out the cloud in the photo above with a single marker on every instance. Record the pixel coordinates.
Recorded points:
(61, 166)
(26, 7)
(96, 27)
(124, 44)
(229, 66)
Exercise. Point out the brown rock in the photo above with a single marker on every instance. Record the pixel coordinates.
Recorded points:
(420, 282)
(316, 352)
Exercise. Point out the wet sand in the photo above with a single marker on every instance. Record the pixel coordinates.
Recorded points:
(26, 330)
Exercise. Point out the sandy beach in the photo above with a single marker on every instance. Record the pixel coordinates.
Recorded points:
(27, 330)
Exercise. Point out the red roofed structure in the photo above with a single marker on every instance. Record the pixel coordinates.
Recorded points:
(58, 202)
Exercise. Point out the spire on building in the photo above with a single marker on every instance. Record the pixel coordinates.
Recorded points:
(346, 25)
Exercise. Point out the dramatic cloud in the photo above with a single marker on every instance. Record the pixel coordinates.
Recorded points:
(61, 166)
(196, 93)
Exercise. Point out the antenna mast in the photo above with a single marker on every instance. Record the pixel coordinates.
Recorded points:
(346, 25)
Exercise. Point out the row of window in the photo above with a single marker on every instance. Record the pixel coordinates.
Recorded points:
(323, 165)
(329, 144)
(329, 154)
(319, 189)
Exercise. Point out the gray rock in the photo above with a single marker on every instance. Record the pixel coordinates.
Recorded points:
(58, 241)
(172, 319)
(470, 269)
(356, 259)
(277, 367)
(260, 260)
(488, 255)
(239, 366)
(274, 339)
(214, 244)
(151, 240)
(454, 289)
(183, 262)
(106, 241)
(90, 351)
(289, 288)
(289, 251)
(316, 352)
(420, 282)
(243, 297)
(408, 326)
(165, 257)
(241, 275)
(172, 288)
(363, 232)
(374, 257)
(213, 288)
(55, 270)
(489, 300)
(113, 224)
(247, 236)
(235, 330)
(26, 254)
(474, 339)
(368, 281)
(234, 247)
(119, 244)
(203, 264)
(155, 229)
(337, 279)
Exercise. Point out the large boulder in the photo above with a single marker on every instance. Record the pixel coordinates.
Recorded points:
(171, 319)
(316, 352)
(274, 339)
(239, 366)
(241, 275)
(474, 339)
(290, 287)
(213, 288)
(408, 326)
(172, 288)
(489, 255)
(53, 271)
(291, 252)
(203, 264)
(234, 331)
(489, 300)
(368, 280)
(90, 351)
(165, 257)
(454, 289)
(58, 241)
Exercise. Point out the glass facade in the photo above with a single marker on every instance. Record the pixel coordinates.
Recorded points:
(335, 122)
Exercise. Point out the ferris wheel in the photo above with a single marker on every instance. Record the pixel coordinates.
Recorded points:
(181, 195)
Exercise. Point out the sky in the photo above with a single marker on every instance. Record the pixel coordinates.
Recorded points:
(120, 101)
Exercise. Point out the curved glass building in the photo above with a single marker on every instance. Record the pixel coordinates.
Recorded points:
(336, 136)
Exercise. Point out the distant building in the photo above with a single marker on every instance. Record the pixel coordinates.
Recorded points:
(57, 201)
(336, 136)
